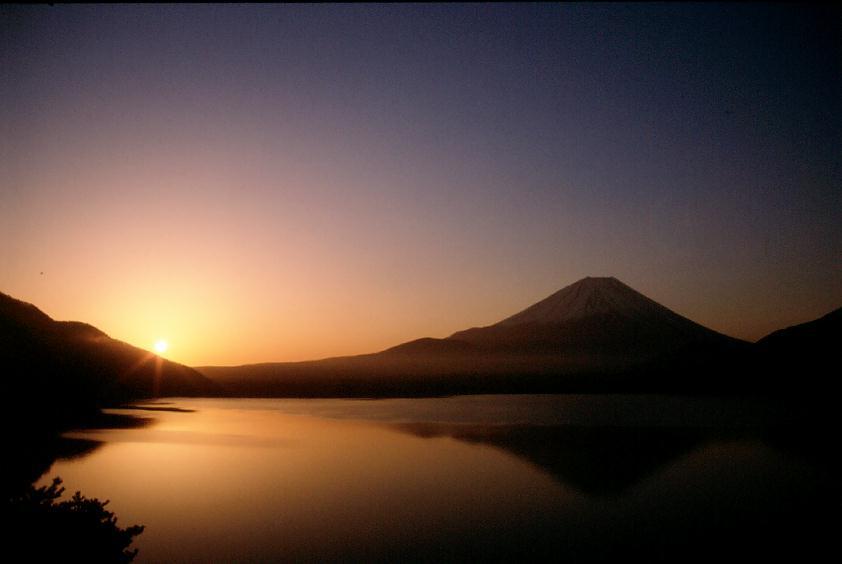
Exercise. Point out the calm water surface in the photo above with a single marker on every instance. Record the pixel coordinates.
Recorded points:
(465, 478)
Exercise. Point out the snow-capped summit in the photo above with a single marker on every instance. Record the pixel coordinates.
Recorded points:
(589, 296)
(600, 315)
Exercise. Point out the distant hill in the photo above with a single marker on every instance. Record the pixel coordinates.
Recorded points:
(805, 357)
(822, 337)
(597, 334)
(61, 368)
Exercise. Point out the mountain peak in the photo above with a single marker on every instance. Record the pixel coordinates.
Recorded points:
(594, 320)
(603, 295)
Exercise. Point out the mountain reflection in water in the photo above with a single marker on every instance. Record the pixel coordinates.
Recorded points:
(495, 477)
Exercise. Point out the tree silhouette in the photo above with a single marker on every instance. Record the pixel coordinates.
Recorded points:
(78, 529)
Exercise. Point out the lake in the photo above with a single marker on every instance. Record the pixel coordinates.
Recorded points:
(530, 477)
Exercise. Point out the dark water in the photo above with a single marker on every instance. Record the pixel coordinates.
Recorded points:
(466, 478)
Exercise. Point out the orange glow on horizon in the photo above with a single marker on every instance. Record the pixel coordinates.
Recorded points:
(296, 186)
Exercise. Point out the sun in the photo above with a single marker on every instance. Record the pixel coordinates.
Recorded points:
(161, 346)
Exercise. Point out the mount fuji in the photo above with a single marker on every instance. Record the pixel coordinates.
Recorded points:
(597, 334)
(593, 315)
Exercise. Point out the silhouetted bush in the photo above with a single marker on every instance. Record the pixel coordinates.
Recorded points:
(76, 530)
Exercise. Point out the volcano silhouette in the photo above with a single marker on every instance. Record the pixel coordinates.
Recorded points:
(597, 334)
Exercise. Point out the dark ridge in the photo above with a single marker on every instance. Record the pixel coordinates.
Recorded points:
(64, 371)
(805, 358)
(429, 344)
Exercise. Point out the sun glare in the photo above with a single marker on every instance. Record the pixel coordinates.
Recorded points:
(161, 346)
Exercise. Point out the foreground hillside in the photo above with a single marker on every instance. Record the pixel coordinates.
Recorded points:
(60, 369)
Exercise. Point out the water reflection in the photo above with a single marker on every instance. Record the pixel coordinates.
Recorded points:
(32, 458)
(33, 453)
(526, 478)
(42, 524)
(594, 460)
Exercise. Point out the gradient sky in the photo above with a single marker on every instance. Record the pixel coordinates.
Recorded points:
(266, 183)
